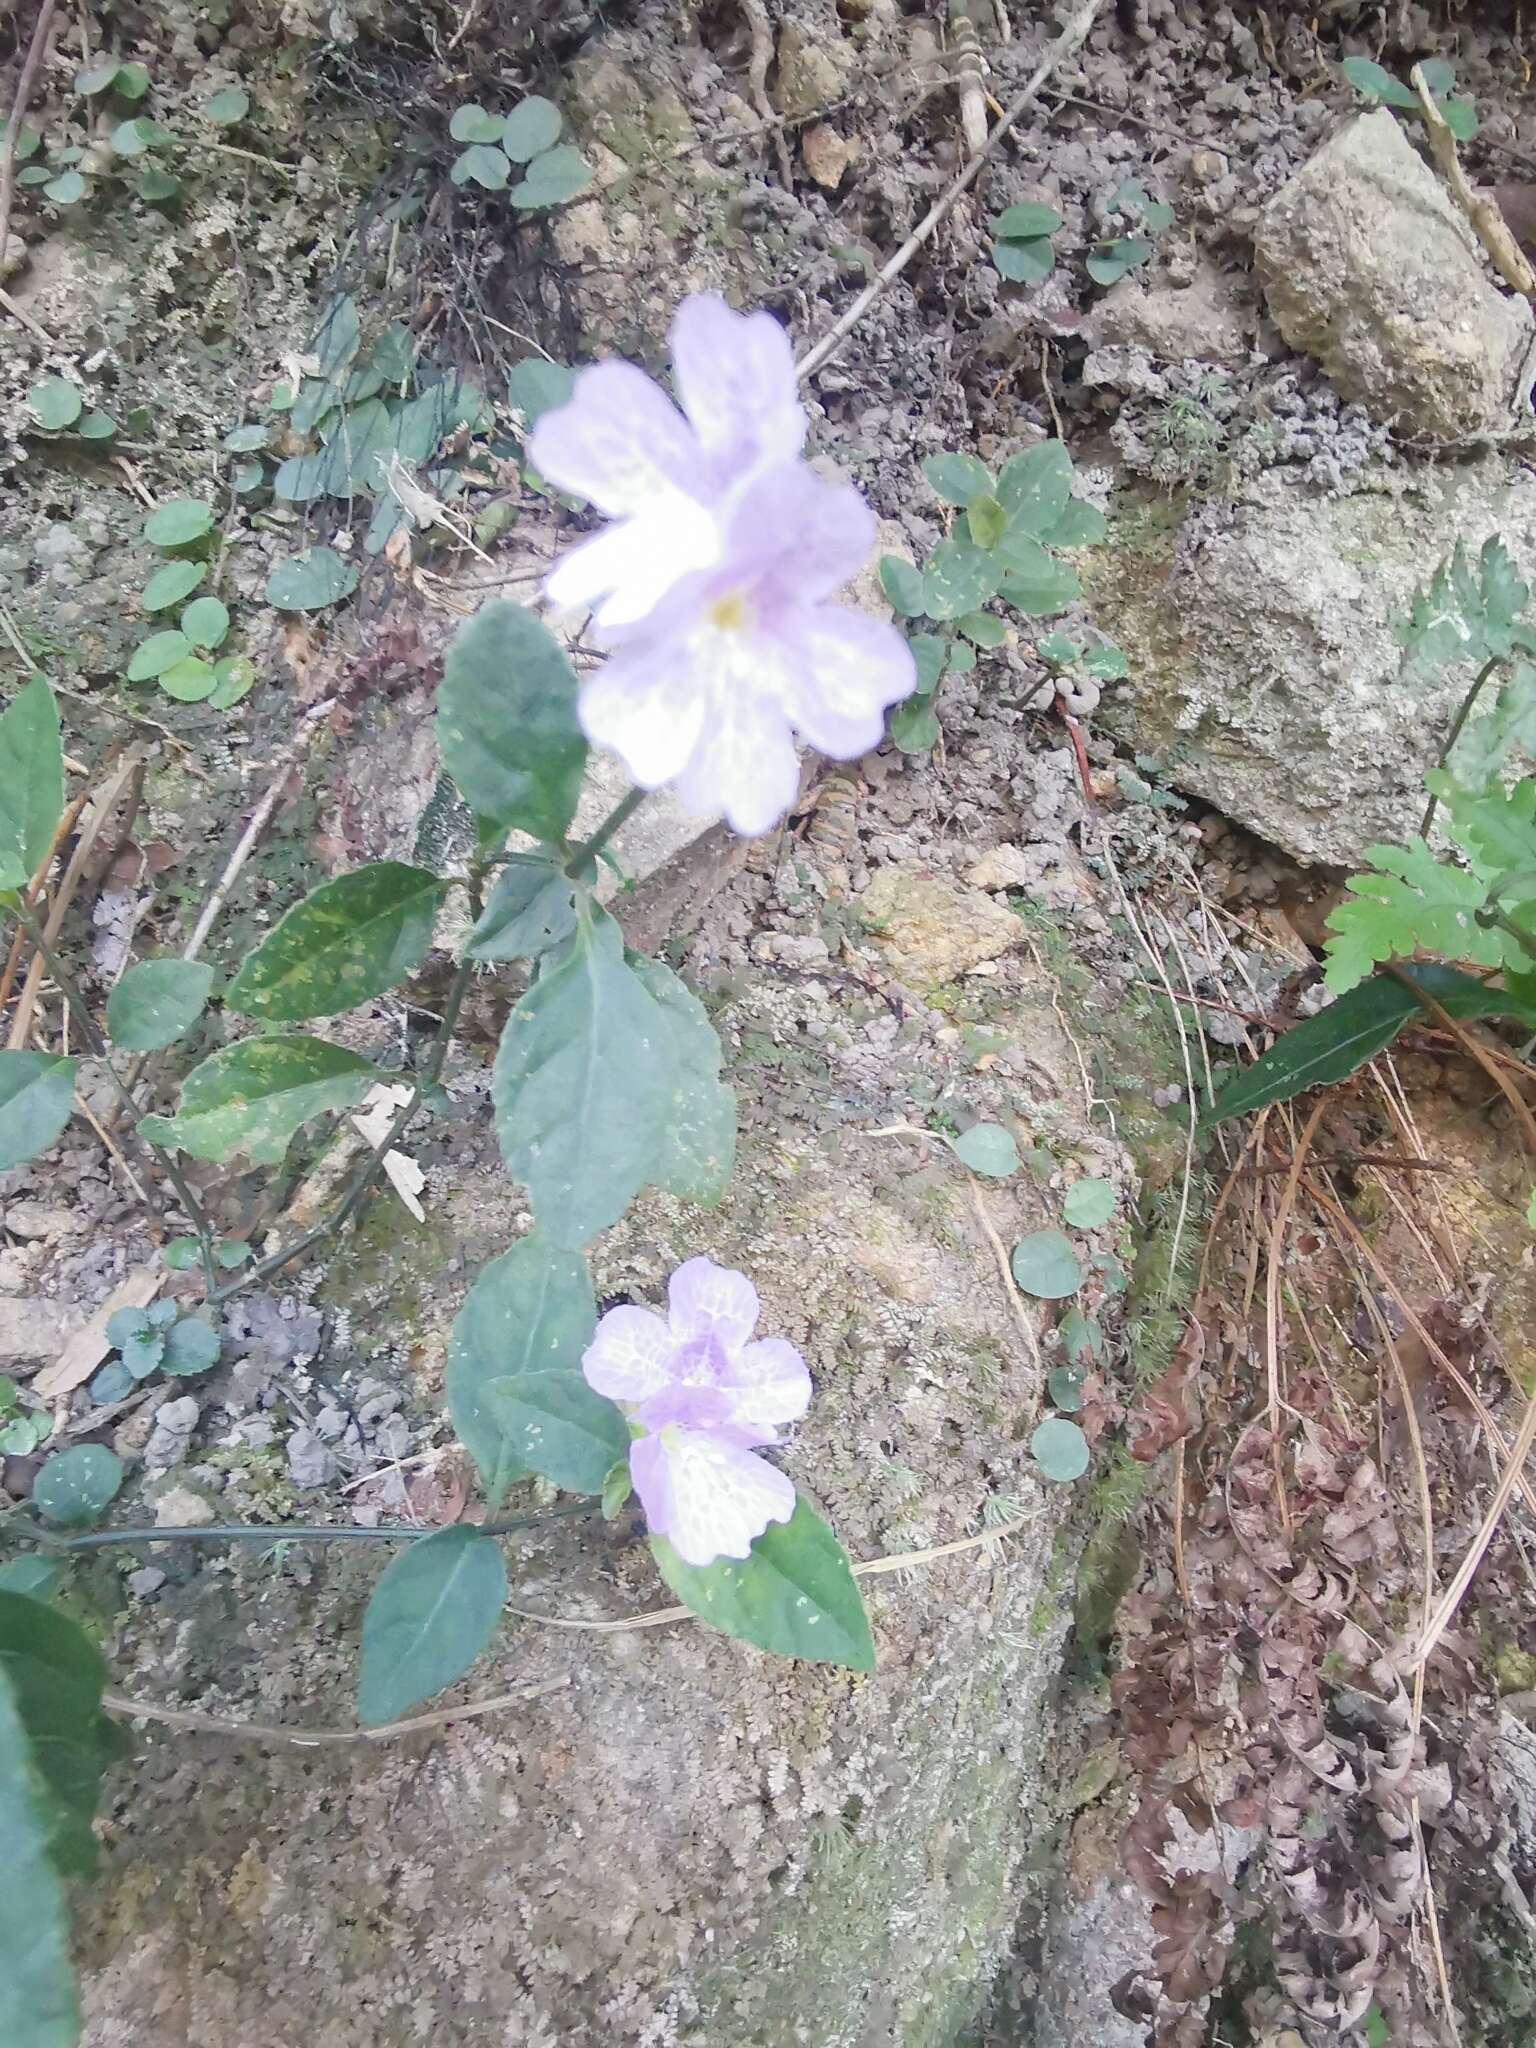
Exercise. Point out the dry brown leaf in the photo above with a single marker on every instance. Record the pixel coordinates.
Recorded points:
(89, 1346)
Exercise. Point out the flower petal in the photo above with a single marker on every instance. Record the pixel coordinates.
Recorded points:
(629, 1356)
(804, 537)
(618, 440)
(632, 564)
(735, 374)
(707, 1496)
(706, 1300)
(745, 765)
(768, 1385)
(850, 668)
(648, 705)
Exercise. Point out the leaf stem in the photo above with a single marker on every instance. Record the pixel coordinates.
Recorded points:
(615, 821)
(316, 1532)
(1454, 734)
(1490, 914)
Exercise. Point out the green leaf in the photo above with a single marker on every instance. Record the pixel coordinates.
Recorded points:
(1045, 1265)
(72, 1487)
(1460, 116)
(699, 1147)
(177, 523)
(98, 426)
(247, 440)
(1083, 1341)
(986, 520)
(55, 403)
(1374, 83)
(37, 1096)
(31, 781)
(66, 189)
(350, 939)
(229, 106)
(903, 585)
(1438, 75)
(531, 909)
(962, 659)
(205, 622)
(52, 1675)
(983, 628)
(1108, 662)
(530, 1315)
(189, 681)
(98, 77)
(551, 179)
(989, 1149)
(142, 1352)
(350, 462)
(114, 1382)
(1024, 222)
(553, 1424)
(506, 723)
(161, 1314)
(1034, 488)
(583, 1087)
(252, 1096)
(230, 1252)
(1035, 582)
(1079, 526)
(471, 123)
(28, 142)
(124, 1324)
(958, 577)
(182, 1255)
(1024, 261)
(1059, 649)
(311, 581)
(20, 1438)
(1060, 1449)
(1089, 1203)
(191, 1346)
(957, 478)
(157, 187)
(232, 678)
(536, 387)
(35, 1577)
(1329, 1047)
(617, 1488)
(481, 165)
(913, 726)
(152, 657)
(132, 138)
(156, 1001)
(41, 2010)
(1065, 1386)
(1411, 900)
(171, 584)
(793, 1594)
(1110, 261)
(432, 1613)
(533, 126)
(929, 654)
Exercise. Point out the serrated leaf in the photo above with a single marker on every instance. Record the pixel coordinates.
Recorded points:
(531, 909)
(55, 403)
(41, 2009)
(1409, 900)
(928, 655)
(1089, 1202)
(1024, 261)
(431, 1614)
(74, 1486)
(1045, 1265)
(37, 1097)
(152, 657)
(1060, 1449)
(958, 577)
(506, 723)
(171, 584)
(1329, 1046)
(124, 1324)
(699, 1148)
(156, 1001)
(349, 939)
(986, 520)
(553, 178)
(989, 1149)
(536, 387)
(1034, 488)
(583, 1086)
(31, 781)
(794, 1594)
(530, 1313)
(532, 127)
(191, 1346)
(310, 581)
(252, 1096)
(957, 478)
(903, 585)
(142, 1352)
(1031, 217)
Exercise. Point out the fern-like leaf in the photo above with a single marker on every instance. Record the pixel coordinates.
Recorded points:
(1412, 901)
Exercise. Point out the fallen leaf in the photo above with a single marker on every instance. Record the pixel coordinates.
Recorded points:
(89, 1346)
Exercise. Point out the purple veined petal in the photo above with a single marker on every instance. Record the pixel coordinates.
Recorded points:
(708, 1497)
(848, 668)
(706, 1300)
(647, 704)
(629, 1356)
(768, 1384)
(628, 568)
(735, 375)
(698, 1407)
(744, 765)
(618, 440)
(804, 537)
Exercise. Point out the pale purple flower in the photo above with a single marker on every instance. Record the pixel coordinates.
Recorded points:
(706, 1398)
(712, 583)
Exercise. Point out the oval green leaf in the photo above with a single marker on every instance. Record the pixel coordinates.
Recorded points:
(432, 1613)
(37, 1095)
(98, 426)
(229, 106)
(533, 126)
(191, 1346)
(171, 584)
(957, 478)
(986, 520)
(1060, 1449)
(205, 622)
(959, 577)
(903, 585)
(556, 176)
(1024, 262)
(74, 1486)
(536, 387)
(913, 726)
(232, 678)
(189, 681)
(471, 123)
(793, 1594)
(55, 403)
(178, 522)
(31, 781)
(349, 939)
(311, 581)
(1088, 1203)
(1045, 1265)
(1065, 1386)
(156, 1001)
(1034, 488)
(506, 723)
(67, 189)
(988, 1148)
(53, 1675)
(37, 1577)
(481, 164)
(41, 2010)
(252, 1096)
(698, 1147)
(531, 909)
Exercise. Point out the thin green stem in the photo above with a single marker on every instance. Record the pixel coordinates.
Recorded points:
(1455, 732)
(615, 821)
(1490, 914)
(314, 1532)
(166, 1161)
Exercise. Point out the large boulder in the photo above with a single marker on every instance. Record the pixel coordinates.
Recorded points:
(1369, 266)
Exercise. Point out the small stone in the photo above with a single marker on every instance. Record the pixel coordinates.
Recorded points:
(180, 1508)
(310, 1462)
(1001, 867)
(827, 154)
(148, 1579)
(33, 1328)
(791, 949)
(811, 73)
(1203, 321)
(35, 1220)
(929, 930)
(171, 1436)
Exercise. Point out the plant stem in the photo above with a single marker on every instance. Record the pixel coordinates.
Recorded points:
(316, 1532)
(615, 821)
(1525, 939)
(166, 1161)
(1454, 735)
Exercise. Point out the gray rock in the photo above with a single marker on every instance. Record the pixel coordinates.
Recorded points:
(148, 1579)
(310, 1462)
(180, 1508)
(930, 931)
(171, 1436)
(1265, 669)
(1369, 266)
(33, 1328)
(1204, 321)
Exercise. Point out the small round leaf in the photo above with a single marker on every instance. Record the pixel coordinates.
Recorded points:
(189, 681)
(182, 1256)
(311, 581)
(233, 677)
(1027, 220)
(903, 585)
(913, 726)
(98, 426)
(472, 123)
(481, 164)
(190, 1346)
(75, 1485)
(178, 522)
(1089, 1203)
(65, 189)
(56, 403)
(171, 584)
(152, 657)
(532, 126)
(556, 176)
(988, 1148)
(205, 622)
(94, 78)
(1045, 1265)
(229, 106)
(1060, 1450)
(1065, 1383)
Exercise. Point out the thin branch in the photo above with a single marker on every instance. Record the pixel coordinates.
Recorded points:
(1454, 735)
(1066, 43)
(615, 821)
(322, 1738)
(1480, 208)
(302, 1532)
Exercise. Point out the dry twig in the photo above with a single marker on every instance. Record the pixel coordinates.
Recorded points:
(1481, 208)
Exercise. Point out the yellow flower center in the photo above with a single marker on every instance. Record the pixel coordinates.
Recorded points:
(729, 614)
